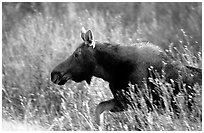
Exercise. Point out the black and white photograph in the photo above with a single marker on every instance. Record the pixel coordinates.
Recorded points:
(101, 66)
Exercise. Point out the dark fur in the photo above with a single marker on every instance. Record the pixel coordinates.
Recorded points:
(120, 65)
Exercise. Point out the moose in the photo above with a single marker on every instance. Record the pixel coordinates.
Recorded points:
(120, 65)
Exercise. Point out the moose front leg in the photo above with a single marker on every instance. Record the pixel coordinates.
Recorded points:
(119, 103)
(103, 106)
(110, 105)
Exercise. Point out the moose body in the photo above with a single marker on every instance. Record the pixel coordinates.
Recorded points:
(118, 65)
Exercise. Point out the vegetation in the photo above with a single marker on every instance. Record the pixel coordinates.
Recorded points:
(38, 36)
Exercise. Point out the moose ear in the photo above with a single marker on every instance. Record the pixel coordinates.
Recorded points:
(89, 38)
(83, 32)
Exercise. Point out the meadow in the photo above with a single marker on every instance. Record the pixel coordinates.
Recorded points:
(38, 36)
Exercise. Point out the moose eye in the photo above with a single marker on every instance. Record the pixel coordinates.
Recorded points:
(76, 55)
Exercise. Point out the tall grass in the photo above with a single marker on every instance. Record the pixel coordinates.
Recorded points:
(34, 42)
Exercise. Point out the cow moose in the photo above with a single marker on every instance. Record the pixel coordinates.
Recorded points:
(119, 65)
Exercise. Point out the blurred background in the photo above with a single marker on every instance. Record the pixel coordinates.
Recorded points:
(38, 36)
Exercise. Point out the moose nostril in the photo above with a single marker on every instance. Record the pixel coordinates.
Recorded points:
(55, 76)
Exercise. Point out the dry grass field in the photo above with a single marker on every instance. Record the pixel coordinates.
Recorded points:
(38, 36)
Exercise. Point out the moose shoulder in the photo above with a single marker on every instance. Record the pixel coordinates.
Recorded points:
(116, 64)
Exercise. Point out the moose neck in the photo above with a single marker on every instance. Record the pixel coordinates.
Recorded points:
(106, 58)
